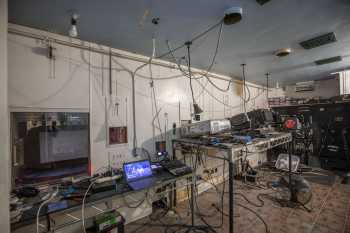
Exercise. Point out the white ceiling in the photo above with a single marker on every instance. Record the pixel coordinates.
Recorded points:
(263, 29)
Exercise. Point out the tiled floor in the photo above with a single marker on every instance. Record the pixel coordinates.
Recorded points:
(330, 213)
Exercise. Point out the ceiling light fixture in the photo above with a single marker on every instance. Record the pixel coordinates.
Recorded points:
(196, 109)
(283, 52)
(73, 31)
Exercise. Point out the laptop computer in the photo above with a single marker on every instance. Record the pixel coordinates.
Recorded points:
(138, 174)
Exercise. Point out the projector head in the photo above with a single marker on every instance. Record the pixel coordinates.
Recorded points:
(233, 15)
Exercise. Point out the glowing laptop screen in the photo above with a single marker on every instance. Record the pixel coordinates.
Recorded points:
(137, 170)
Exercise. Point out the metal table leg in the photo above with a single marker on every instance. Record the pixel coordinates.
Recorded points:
(231, 197)
(193, 196)
(173, 194)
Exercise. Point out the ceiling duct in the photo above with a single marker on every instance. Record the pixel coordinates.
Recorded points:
(319, 41)
(328, 60)
(262, 2)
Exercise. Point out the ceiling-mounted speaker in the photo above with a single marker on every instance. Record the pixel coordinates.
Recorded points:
(233, 15)
(262, 2)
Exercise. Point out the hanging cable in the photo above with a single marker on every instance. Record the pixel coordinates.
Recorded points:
(134, 114)
(196, 108)
(267, 89)
(209, 67)
(183, 72)
(220, 101)
(188, 45)
(153, 93)
(245, 101)
(192, 40)
(110, 72)
(244, 90)
(213, 62)
(176, 61)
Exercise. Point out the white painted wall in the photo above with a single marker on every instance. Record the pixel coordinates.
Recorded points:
(276, 92)
(81, 83)
(4, 126)
(37, 82)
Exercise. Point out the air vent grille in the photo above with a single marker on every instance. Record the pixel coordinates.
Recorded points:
(328, 60)
(262, 2)
(319, 41)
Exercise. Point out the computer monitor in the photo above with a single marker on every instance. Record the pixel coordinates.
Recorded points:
(137, 170)
(63, 145)
(49, 146)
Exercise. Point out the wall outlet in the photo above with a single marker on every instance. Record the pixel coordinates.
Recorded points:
(116, 159)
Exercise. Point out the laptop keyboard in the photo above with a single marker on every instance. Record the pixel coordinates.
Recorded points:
(142, 184)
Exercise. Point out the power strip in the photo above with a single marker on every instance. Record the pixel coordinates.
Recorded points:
(108, 178)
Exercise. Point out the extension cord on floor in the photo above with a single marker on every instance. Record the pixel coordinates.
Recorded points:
(108, 178)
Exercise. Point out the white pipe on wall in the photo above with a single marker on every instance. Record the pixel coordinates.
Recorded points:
(5, 180)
